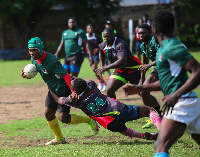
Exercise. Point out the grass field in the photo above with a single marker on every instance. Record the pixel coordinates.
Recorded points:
(26, 137)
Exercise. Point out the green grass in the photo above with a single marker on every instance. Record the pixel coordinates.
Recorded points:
(82, 143)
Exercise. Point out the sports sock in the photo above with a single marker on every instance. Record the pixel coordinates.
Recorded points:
(131, 133)
(54, 125)
(75, 119)
(100, 81)
(155, 119)
(162, 154)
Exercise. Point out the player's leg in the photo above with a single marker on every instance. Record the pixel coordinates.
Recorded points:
(114, 83)
(148, 99)
(75, 64)
(170, 131)
(102, 83)
(66, 65)
(129, 113)
(50, 110)
(196, 137)
(146, 111)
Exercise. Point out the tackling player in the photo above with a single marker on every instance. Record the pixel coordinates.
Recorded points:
(110, 113)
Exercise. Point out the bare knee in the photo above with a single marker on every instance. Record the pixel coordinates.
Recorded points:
(64, 117)
(50, 115)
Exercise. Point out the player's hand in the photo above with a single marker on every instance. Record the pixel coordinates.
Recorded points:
(100, 71)
(23, 75)
(131, 90)
(95, 51)
(56, 54)
(169, 101)
(74, 96)
(143, 69)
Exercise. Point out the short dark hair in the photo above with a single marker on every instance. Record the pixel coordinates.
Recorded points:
(109, 30)
(79, 85)
(73, 18)
(89, 24)
(164, 21)
(145, 26)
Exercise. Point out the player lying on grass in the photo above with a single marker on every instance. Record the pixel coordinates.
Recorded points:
(110, 113)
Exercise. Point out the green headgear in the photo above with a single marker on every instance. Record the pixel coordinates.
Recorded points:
(36, 43)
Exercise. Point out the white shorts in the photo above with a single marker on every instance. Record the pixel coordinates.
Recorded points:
(187, 110)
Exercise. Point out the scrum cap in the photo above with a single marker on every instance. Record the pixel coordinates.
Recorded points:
(36, 43)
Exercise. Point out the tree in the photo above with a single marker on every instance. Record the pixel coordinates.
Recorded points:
(23, 15)
(190, 6)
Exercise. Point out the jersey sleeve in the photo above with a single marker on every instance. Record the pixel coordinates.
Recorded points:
(180, 55)
(83, 35)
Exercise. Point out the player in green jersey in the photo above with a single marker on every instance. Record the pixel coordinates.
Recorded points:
(180, 104)
(73, 39)
(149, 49)
(59, 81)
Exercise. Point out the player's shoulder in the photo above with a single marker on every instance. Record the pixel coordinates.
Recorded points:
(65, 31)
(102, 45)
(80, 30)
(119, 42)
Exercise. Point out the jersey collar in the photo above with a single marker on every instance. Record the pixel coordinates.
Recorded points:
(39, 60)
(113, 45)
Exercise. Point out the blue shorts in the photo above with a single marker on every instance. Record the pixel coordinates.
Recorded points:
(95, 57)
(73, 63)
(129, 113)
(137, 45)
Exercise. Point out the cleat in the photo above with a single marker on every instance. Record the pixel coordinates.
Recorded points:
(94, 126)
(104, 88)
(149, 136)
(56, 141)
(148, 125)
(100, 87)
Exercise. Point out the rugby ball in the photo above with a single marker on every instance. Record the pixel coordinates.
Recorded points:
(30, 71)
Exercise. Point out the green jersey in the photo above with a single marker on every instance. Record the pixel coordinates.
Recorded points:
(72, 40)
(52, 72)
(171, 56)
(150, 49)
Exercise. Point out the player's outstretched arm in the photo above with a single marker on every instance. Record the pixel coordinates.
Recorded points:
(134, 89)
(56, 97)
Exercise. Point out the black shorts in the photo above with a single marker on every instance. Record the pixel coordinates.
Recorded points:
(133, 77)
(52, 104)
(75, 60)
(154, 73)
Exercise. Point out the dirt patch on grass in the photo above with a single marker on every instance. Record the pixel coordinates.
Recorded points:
(20, 103)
